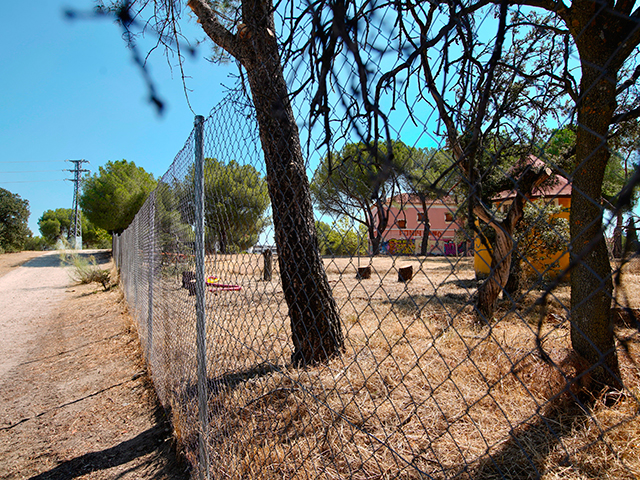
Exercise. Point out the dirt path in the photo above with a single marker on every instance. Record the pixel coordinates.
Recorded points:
(27, 295)
(75, 399)
(9, 261)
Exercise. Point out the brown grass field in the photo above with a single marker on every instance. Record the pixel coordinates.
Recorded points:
(421, 390)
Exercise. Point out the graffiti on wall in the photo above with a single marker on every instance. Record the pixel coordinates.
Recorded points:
(398, 246)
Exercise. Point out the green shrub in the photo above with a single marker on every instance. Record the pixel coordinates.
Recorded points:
(85, 271)
(36, 244)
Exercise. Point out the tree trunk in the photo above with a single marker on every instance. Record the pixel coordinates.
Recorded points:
(490, 289)
(631, 241)
(364, 273)
(375, 241)
(405, 273)
(514, 283)
(424, 246)
(617, 236)
(376, 229)
(591, 284)
(267, 257)
(315, 322)
(604, 39)
(223, 241)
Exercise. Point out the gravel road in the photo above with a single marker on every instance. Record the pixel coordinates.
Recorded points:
(75, 398)
(28, 296)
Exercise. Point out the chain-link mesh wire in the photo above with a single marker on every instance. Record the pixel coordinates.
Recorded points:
(458, 353)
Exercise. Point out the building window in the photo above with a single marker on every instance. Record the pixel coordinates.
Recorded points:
(448, 217)
(421, 217)
(402, 223)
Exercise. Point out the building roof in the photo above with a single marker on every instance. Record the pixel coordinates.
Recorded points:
(559, 186)
(413, 199)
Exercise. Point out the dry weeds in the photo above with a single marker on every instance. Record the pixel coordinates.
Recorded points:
(420, 391)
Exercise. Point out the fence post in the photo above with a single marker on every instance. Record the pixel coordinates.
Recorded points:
(268, 265)
(152, 263)
(201, 332)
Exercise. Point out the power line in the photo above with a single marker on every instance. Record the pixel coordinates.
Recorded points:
(34, 181)
(32, 171)
(34, 161)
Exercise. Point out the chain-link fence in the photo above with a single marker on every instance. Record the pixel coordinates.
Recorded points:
(462, 300)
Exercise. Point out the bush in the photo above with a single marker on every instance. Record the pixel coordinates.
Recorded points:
(36, 243)
(86, 270)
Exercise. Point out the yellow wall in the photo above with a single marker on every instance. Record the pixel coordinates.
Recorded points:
(481, 257)
(537, 266)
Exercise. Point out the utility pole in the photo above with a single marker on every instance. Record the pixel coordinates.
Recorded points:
(75, 232)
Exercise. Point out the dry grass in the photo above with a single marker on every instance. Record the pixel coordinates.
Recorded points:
(420, 391)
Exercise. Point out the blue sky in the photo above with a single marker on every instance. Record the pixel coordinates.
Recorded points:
(70, 90)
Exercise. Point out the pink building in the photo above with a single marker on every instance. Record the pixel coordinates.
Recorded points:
(405, 229)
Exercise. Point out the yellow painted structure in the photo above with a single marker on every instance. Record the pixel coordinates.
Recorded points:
(551, 264)
(481, 257)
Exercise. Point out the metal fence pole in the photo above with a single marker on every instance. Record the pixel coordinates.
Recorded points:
(200, 295)
(151, 260)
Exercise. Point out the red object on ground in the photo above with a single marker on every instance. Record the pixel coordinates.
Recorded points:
(214, 286)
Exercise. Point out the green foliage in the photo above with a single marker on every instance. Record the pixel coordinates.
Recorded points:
(352, 180)
(236, 201)
(111, 198)
(36, 244)
(171, 223)
(559, 147)
(429, 173)
(342, 239)
(56, 224)
(542, 232)
(357, 181)
(560, 150)
(94, 237)
(14, 215)
(501, 164)
(50, 229)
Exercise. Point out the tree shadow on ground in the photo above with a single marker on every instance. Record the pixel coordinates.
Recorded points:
(465, 284)
(546, 445)
(230, 381)
(57, 259)
(529, 445)
(414, 304)
(155, 441)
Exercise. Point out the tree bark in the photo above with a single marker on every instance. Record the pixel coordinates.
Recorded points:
(375, 244)
(603, 41)
(424, 246)
(267, 257)
(591, 284)
(364, 273)
(631, 242)
(377, 228)
(405, 273)
(315, 321)
(617, 236)
(223, 241)
(514, 282)
(490, 289)
(606, 33)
